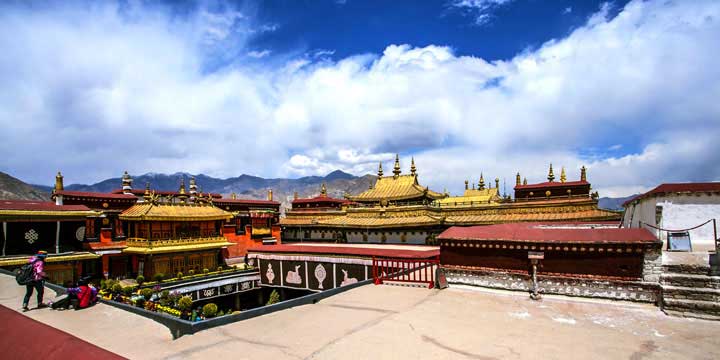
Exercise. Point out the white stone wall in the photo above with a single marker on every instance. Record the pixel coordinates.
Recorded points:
(678, 212)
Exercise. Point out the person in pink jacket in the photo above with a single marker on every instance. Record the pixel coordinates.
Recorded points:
(38, 282)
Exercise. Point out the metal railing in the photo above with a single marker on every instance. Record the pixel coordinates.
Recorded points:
(418, 271)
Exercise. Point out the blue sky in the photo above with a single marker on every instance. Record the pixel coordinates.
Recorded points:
(294, 88)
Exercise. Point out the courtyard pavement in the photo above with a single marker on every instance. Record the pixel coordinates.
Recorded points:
(392, 322)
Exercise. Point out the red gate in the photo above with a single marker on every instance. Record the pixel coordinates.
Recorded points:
(419, 271)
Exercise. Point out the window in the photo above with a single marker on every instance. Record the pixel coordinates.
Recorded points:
(178, 265)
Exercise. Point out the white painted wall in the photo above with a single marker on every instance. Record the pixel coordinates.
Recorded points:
(679, 211)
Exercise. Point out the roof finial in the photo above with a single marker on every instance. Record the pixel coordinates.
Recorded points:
(295, 195)
(396, 168)
(583, 174)
(481, 183)
(517, 179)
(524, 181)
(466, 184)
(551, 176)
(181, 193)
(323, 190)
(233, 195)
(380, 172)
(413, 169)
(269, 195)
(147, 196)
(58, 182)
(127, 183)
(497, 184)
(562, 175)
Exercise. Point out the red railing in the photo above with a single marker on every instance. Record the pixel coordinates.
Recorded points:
(418, 271)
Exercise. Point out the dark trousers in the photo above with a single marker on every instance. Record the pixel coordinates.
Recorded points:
(39, 286)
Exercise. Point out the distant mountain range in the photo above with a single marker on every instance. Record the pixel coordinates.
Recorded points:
(613, 203)
(245, 186)
(14, 189)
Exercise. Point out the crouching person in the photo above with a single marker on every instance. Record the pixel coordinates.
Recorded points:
(83, 296)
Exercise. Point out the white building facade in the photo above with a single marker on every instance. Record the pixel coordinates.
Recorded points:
(677, 207)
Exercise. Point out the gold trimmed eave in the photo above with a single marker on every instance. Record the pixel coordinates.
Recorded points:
(46, 214)
(176, 248)
(174, 212)
(15, 261)
(144, 246)
(354, 222)
(484, 219)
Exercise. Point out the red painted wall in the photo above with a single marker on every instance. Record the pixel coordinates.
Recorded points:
(244, 241)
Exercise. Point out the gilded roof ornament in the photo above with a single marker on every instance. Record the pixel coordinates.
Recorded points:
(413, 169)
(481, 183)
(234, 195)
(466, 184)
(396, 168)
(563, 177)
(147, 196)
(59, 182)
(524, 181)
(551, 176)
(380, 172)
(583, 174)
(323, 190)
(126, 183)
(517, 179)
(497, 183)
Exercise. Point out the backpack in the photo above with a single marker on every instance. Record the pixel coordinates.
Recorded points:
(24, 274)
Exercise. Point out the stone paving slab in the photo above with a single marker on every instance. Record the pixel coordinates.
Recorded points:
(391, 322)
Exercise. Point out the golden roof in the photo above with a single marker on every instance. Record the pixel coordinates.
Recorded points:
(580, 215)
(174, 212)
(400, 187)
(472, 196)
(14, 261)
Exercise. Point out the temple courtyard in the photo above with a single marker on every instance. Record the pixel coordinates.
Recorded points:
(392, 322)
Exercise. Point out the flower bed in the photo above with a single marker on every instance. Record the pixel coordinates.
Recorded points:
(158, 300)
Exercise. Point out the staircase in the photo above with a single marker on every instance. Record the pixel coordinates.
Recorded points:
(689, 290)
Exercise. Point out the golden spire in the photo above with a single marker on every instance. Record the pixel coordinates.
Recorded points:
(182, 186)
(269, 195)
(497, 184)
(413, 169)
(551, 176)
(562, 175)
(466, 184)
(481, 183)
(295, 195)
(583, 174)
(396, 168)
(59, 182)
(517, 179)
(147, 195)
(233, 195)
(323, 190)
(380, 172)
(524, 181)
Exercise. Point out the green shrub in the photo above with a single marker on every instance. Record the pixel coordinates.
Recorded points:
(165, 294)
(191, 272)
(274, 298)
(140, 279)
(179, 275)
(220, 313)
(103, 284)
(209, 310)
(185, 303)
(146, 293)
(220, 268)
(206, 270)
(159, 277)
(117, 288)
(128, 290)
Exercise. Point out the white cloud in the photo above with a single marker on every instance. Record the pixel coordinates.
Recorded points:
(92, 93)
(259, 54)
(481, 10)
